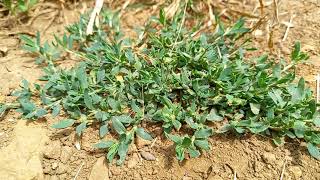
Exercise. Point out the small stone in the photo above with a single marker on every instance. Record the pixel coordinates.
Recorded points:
(269, 158)
(258, 32)
(142, 142)
(54, 165)
(99, 170)
(66, 153)
(268, 148)
(296, 171)
(133, 161)
(53, 150)
(147, 156)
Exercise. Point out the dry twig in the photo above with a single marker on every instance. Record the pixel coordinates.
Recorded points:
(283, 169)
(289, 25)
(75, 177)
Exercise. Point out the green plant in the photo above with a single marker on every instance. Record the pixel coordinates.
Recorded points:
(166, 76)
(19, 6)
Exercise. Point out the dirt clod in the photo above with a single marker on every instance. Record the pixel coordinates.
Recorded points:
(21, 158)
(66, 153)
(53, 150)
(99, 170)
(133, 161)
(61, 169)
(269, 158)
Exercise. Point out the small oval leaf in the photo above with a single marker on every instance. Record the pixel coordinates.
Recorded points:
(143, 134)
(63, 124)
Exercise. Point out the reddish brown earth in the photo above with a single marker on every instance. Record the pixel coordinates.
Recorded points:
(36, 151)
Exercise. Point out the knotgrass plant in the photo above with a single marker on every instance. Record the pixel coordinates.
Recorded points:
(185, 84)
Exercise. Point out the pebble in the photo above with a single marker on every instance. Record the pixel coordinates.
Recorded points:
(147, 156)
(54, 165)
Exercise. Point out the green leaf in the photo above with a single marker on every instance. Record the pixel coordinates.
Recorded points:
(143, 134)
(278, 141)
(175, 138)
(276, 97)
(122, 152)
(41, 112)
(180, 152)
(213, 116)
(316, 121)
(299, 128)
(115, 105)
(255, 108)
(112, 152)
(103, 144)
(313, 150)
(118, 126)
(22, 6)
(162, 17)
(124, 119)
(203, 144)
(103, 130)
(81, 127)
(56, 110)
(87, 99)
(186, 142)
(193, 152)
(290, 134)
(63, 124)
(296, 51)
(177, 124)
(82, 77)
(203, 133)
(27, 106)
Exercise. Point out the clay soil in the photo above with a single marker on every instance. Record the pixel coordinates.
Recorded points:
(33, 150)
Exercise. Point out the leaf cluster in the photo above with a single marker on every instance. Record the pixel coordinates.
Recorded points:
(186, 84)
